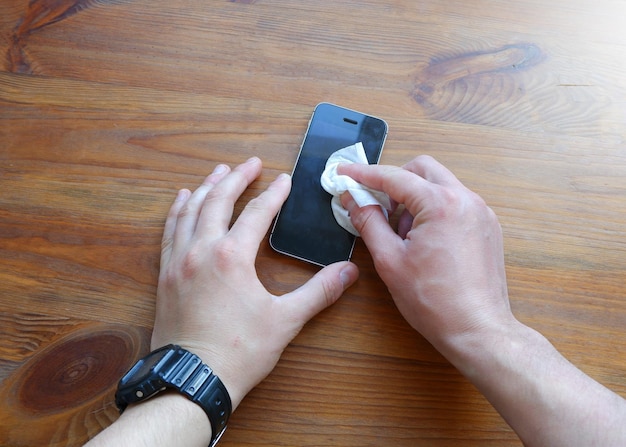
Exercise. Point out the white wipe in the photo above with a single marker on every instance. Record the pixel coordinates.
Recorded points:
(336, 185)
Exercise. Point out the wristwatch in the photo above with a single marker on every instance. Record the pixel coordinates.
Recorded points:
(172, 367)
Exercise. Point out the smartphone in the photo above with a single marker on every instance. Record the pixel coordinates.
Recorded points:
(305, 227)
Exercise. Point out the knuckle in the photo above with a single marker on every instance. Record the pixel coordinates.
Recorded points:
(166, 243)
(225, 253)
(361, 217)
(480, 208)
(330, 289)
(446, 204)
(168, 278)
(257, 204)
(191, 263)
(215, 195)
(477, 201)
(460, 202)
(186, 210)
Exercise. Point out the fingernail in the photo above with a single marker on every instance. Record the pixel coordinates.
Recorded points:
(281, 178)
(182, 195)
(347, 201)
(219, 169)
(252, 160)
(346, 277)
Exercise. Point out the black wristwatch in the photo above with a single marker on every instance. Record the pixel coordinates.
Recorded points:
(172, 367)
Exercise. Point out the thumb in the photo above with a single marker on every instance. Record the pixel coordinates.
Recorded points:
(319, 292)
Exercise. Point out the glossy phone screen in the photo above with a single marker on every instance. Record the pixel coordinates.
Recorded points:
(305, 227)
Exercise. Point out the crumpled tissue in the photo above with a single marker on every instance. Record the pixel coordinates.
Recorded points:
(336, 185)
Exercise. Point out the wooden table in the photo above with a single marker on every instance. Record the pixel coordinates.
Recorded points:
(108, 107)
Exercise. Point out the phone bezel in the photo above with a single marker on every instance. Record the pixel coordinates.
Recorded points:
(350, 115)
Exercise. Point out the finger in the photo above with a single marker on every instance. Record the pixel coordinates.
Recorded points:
(319, 292)
(382, 242)
(427, 167)
(170, 224)
(405, 223)
(187, 218)
(217, 207)
(401, 185)
(256, 218)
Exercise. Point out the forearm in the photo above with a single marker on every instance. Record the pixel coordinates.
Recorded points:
(545, 399)
(168, 419)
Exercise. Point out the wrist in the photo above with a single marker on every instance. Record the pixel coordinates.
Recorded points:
(475, 352)
(167, 419)
(174, 413)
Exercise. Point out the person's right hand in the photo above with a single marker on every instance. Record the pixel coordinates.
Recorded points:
(445, 270)
(445, 265)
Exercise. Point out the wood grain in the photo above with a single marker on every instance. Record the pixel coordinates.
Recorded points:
(108, 107)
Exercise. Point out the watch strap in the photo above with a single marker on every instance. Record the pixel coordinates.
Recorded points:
(181, 370)
(196, 380)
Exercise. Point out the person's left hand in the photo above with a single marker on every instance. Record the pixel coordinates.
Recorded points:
(209, 298)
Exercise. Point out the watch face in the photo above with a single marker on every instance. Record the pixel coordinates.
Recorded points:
(143, 367)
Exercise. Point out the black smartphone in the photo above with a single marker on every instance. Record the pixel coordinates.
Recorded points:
(305, 227)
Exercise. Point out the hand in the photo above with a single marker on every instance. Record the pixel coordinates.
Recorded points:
(445, 271)
(445, 266)
(209, 298)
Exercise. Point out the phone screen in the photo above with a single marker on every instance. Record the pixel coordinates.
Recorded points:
(305, 227)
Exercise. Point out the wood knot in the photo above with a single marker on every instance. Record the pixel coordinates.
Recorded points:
(76, 369)
(41, 14)
(475, 87)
